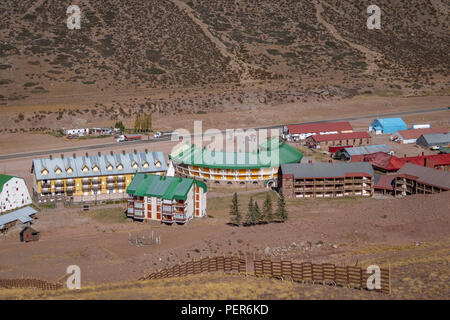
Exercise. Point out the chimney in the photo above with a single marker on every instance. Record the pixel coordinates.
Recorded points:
(123, 152)
(135, 151)
(404, 155)
(62, 156)
(51, 157)
(111, 153)
(423, 153)
(146, 150)
(87, 154)
(99, 154)
(74, 155)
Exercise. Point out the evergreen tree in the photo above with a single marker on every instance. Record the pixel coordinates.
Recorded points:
(149, 122)
(281, 213)
(267, 209)
(250, 217)
(235, 214)
(256, 213)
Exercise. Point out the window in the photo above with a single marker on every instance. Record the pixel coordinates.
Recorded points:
(58, 170)
(109, 167)
(95, 168)
(157, 164)
(119, 166)
(135, 166)
(85, 169)
(44, 172)
(69, 170)
(145, 165)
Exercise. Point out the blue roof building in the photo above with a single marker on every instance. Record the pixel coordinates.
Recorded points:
(387, 125)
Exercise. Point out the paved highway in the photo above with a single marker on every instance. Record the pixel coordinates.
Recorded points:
(167, 138)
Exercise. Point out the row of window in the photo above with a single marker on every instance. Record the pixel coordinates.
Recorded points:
(95, 168)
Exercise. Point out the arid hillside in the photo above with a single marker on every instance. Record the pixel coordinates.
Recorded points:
(275, 51)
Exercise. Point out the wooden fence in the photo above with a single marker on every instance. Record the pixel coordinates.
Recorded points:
(231, 264)
(326, 273)
(29, 283)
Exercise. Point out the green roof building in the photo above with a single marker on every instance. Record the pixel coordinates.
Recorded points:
(260, 166)
(166, 199)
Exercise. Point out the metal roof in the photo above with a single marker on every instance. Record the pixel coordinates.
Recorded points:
(416, 133)
(436, 138)
(438, 178)
(284, 153)
(164, 187)
(98, 165)
(23, 215)
(354, 151)
(326, 170)
(319, 127)
(4, 179)
(340, 136)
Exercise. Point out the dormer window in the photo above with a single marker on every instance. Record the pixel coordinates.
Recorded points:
(157, 164)
(119, 167)
(145, 165)
(44, 172)
(85, 169)
(95, 168)
(109, 167)
(135, 166)
(69, 170)
(58, 170)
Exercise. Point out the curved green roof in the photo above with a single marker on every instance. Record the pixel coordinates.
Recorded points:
(272, 153)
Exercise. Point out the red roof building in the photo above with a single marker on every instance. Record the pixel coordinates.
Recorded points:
(331, 141)
(410, 136)
(302, 131)
(385, 162)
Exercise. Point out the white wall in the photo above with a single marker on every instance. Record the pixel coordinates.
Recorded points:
(14, 195)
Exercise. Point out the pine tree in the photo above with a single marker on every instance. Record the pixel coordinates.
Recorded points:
(267, 209)
(256, 213)
(149, 122)
(235, 214)
(281, 213)
(250, 217)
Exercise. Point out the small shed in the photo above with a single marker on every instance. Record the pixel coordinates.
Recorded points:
(387, 125)
(29, 234)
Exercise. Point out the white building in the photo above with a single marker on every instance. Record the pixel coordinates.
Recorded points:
(13, 193)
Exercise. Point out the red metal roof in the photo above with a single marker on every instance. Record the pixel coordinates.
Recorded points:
(387, 162)
(384, 182)
(340, 136)
(416, 133)
(319, 127)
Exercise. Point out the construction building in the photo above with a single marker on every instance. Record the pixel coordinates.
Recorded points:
(356, 154)
(92, 178)
(166, 199)
(434, 140)
(413, 179)
(296, 132)
(329, 141)
(13, 193)
(387, 125)
(326, 180)
(384, 162)
(234, 168)
(411, 135)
